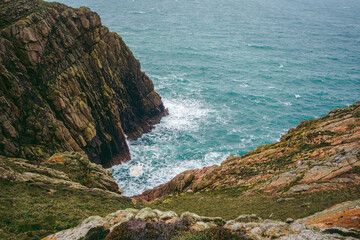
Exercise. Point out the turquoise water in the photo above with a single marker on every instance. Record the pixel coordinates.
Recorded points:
(233, 74)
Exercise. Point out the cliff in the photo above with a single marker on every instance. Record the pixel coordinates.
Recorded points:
(318, 155)
(68, 84)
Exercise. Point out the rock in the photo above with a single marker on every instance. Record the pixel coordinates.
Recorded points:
(191, 218)
(199, 226)
(256, 231)
(317, 155)
(311, 235)
(146, 213)
(300, 188)
(248, 218)
(236, 226)
(76, 87)
(68, 169)
(132, 211)
(343, 232)
(147, 225)
(289, 220)
(91, 228)
(297, 227)
(168, 215)
(214, 220)
(273, 228)
(344, 215)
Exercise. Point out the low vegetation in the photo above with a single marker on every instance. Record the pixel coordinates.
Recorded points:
(35, 210)
(230, 203)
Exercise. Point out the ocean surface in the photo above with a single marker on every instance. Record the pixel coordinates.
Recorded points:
(234, 74)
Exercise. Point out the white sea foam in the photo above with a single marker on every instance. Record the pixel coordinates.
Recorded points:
(184, 114)
(136, 171)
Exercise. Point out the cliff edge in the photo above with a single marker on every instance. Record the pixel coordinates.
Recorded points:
(68, 84)
(318, 155)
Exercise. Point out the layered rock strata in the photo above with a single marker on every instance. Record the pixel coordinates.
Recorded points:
(71, 170)
(321, 154)
(68, 84)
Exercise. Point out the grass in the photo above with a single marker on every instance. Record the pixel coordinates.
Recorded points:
(230, 203)
(33, 211)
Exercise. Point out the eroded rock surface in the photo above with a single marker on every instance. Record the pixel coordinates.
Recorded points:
(67, 169)
(318, 155)
(68, 84)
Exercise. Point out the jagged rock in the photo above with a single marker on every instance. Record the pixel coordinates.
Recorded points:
(68, 84)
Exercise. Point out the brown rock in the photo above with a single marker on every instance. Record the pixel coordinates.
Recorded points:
(67, 83)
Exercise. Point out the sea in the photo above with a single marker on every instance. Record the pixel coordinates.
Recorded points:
(234, 74)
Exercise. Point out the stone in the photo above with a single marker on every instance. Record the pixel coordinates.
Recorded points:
(168, 215)
(90, 228)
(289, 220)
(146, 213)
(256, 231)
(297, 227)
(190, 217)
(248, 218)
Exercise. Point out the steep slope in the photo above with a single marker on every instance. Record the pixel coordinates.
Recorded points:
(37, 199)
(68, 84)
(318, 155)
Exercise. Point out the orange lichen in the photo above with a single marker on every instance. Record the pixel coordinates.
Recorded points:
(56, 159)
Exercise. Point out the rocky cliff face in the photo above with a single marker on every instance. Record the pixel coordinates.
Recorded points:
(68, 84)
(318, 155)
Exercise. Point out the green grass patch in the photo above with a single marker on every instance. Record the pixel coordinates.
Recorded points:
(230, 203)
(33, 211)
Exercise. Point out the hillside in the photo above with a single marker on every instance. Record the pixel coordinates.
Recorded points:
(318, 155)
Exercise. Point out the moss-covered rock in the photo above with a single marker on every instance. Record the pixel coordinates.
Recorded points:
(68, 84)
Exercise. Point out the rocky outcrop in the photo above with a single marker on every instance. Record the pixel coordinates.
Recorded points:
(71, 170)
(68, 84)
(150, 223)
(343, 218)
(317, 155)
